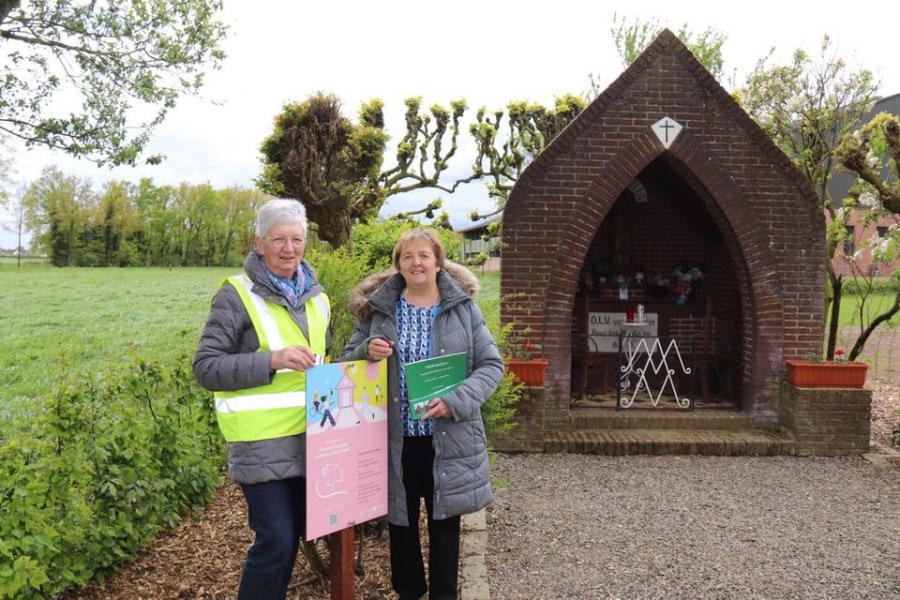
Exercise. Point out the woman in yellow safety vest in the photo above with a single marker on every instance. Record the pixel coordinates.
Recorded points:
(265, 328)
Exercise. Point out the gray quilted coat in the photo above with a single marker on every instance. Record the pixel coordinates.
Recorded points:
(227, 360)
(461, 478)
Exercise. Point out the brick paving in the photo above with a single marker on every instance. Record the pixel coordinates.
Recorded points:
(620, 442)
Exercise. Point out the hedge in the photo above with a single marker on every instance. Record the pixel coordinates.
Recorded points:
(109, 463)
(884, 285)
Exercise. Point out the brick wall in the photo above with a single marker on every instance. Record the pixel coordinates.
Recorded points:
(762, 228)
(827, 421)
(864, 234)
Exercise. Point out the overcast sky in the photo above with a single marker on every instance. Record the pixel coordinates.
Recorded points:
(488, 52)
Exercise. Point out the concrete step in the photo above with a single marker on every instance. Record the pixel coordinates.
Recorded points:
(635, 418)
(620, 442)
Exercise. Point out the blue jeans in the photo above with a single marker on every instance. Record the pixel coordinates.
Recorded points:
(277, 513)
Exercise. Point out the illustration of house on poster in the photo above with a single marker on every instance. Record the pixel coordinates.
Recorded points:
(345, 392)
(346, 445)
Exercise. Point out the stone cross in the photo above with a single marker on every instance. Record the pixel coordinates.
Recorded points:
(666, 130)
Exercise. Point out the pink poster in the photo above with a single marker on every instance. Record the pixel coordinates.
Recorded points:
(346, 445)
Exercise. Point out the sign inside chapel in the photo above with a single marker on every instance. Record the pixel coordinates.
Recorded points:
(605, 328)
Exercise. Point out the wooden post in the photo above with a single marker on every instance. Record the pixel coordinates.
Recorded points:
(340, 544)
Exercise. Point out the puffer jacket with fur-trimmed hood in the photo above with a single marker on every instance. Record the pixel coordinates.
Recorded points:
(461, 477)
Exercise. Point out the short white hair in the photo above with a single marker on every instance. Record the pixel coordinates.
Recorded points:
(277, 211)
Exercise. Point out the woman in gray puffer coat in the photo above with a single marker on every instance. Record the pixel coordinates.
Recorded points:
(422, 310)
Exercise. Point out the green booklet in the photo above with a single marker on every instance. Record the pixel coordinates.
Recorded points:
(431, 378)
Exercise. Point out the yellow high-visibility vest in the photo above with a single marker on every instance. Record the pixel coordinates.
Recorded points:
(276, 409)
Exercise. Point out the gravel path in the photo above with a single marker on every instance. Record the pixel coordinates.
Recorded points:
(570, 526)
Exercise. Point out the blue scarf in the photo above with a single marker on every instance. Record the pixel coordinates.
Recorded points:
(291, 288)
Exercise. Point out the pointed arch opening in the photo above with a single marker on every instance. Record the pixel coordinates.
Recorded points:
(670, 249)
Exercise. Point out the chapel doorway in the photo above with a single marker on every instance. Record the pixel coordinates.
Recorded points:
(657, 320)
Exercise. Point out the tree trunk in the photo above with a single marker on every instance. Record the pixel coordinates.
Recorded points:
(334, 227)
(70, 258)
(226, 248)
(864, 336)
(837, 283)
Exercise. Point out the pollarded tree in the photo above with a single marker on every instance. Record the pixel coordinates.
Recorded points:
(334, 166)
(112, 55)
(877, 142)
(807, 106)
(505, 148)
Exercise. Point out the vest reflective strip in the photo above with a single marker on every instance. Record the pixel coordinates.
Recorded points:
(261, 402)
(265, 316)
(253, 425)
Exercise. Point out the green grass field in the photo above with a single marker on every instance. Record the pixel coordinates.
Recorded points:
(490, 285)
(875, 305)
(84, 320)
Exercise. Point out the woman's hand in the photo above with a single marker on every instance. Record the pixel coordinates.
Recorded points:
(380, 348)
(297, 358)
(438, 409)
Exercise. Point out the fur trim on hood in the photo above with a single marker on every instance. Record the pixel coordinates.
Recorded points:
(359, 300)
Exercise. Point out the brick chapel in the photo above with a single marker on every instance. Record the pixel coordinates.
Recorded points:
(663, 185)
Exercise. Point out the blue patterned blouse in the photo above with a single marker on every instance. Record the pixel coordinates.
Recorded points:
(414, 343)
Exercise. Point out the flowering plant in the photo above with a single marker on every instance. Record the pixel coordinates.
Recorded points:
(685, 281)
(683, 288)
(839, 357)
(524, 350)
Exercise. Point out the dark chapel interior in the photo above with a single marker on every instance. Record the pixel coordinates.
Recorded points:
(663, 241)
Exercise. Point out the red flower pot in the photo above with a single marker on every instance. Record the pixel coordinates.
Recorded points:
(529, 372)
(808, 373)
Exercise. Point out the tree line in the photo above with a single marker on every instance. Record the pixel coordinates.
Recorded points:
(143, 224)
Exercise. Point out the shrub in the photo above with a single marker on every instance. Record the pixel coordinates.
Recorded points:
(499, 410)
(111, 462)
(339, 272)
(884, 285)
(375, 241)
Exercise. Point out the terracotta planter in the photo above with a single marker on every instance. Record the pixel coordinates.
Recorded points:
(808, 373)
(529, 372)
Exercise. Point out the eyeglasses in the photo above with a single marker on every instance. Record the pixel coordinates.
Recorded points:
(280, 242)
